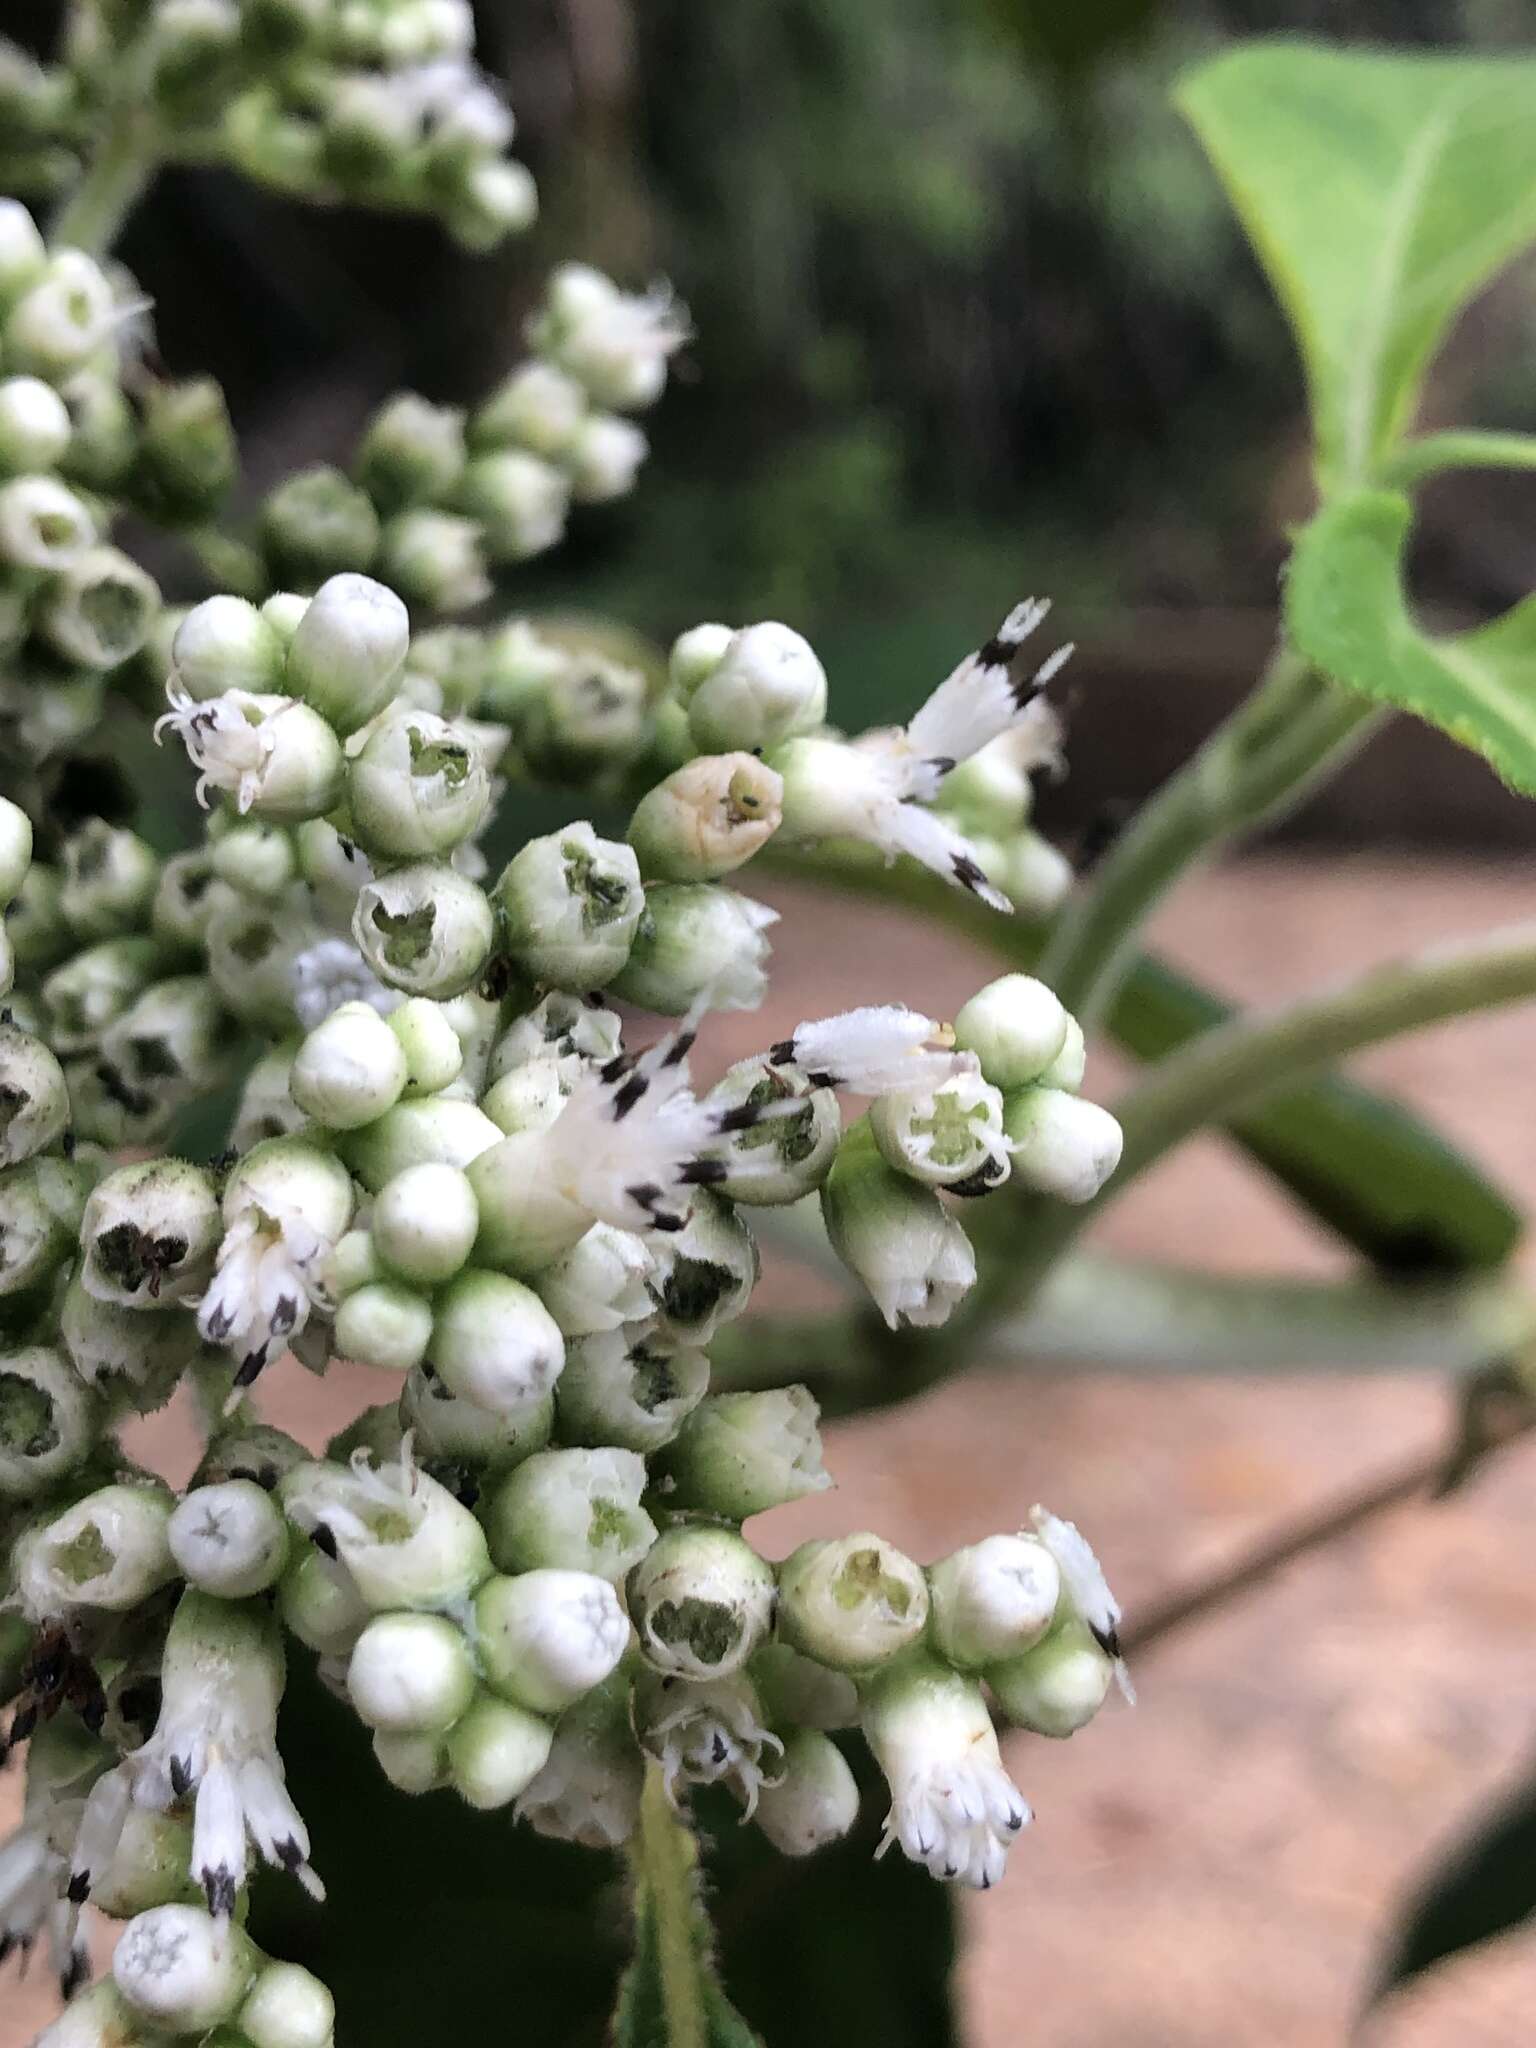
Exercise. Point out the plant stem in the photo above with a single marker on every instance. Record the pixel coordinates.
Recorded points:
(663, 1862)
(1294, 729)
(93, 215)
(1460, 449)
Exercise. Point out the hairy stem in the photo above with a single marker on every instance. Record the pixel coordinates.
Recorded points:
(663, 1860)
(1293, 731)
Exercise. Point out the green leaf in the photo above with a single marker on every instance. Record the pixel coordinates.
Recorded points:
(1382, 192)
(1485, 1887)
(1361, 1163)
(1347, 611)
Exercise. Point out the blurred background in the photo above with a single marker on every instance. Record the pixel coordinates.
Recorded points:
(973, 321)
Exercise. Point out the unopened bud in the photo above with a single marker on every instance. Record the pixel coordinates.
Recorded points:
(183, 1970)
(34, 425)
(897, 1238)
(605, 458)
(348, 650)
(437, 560)
(451, 1428)
(1016, 1027)
(496, 1751)
(439, 1127)
(287, 2007)
(853, 1602)
(537, 406)
(815, 1801)
(226, 644)
(433, 1053)
(412, 453)
(766, 686)
(109, 881)
(317, 524)
(1057, 1687)
(993, 1600)
(1062, 1145)
(573, 1509)
(546, 1637)
(570, 904)
(494, 1342)
(229, 1539)
(34, 1101)
(349, 1070)
(519, 500)
(425, 929)
(411, 1674)
(707, 818)
(697, 940)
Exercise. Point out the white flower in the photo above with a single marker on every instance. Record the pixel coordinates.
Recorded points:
(401, 1538)
(954, 1809)
(709, 1733)
(589, 1790)
(332, 972)
(873, 1050)
(1083, 1580)
(617, 343)
(283, 1212)
(34, 1869)
(228, 739)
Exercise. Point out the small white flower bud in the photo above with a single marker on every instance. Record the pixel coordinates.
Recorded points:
(897, 1238)
(990, 794)
(1015, 1026)
(1057, 1687)
(411, 453)
(802, 1693)
(1062, 1145)
(434, 1056)
(287, 2007)
(605, 458)
(589, 1789)
(945, 1137)
(424, 1223)
(496, 1751)
(34, 1101)
(384, 1323)
(852, 1602)
(519, 500)
(696, 655)
(318, 524)
(766, 686)
(617, 1389)
(707, 818)
(526, 1223)
(23, 252)
(411, 1674)
(547, 1636)
(494, 1342)
(403, 1538)
(47, 1421)
(15, 849)
(97, 2017)
(109, 881)
(705, 1272)
(702, 1601)
(449, 1427)
(353, 1263)
(413, 1764)
(589, 718)
(109, 1551)
(349, 1070)
(601, 1283)
(226, 644)
(437, 1127)
(570, 903)
(253, 859)
(1067, 1069)
(815, 1802)
(182, 1969)
(494, 199)
(573, 1509)
(436, 559)
(1037, 876)
(149, 1234)
(229, 1539)
(64, 318)
(740, 1454)
(425, 929)
(34, 425)
(697, 941)
(98, 610)
(43, 525)
(187, 458)
(346, 653)
(320, 1605)
(992, 1600)
(537, 406)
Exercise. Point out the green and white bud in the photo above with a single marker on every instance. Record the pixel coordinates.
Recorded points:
(895, 1237)
(266, 1109)
(97, 2017)
(766, 686)
(250, 858)
(424, 1223)
(434, 1056)
(438, 1127)
(537, 406)
(695, 656)
(496, 1751)
(109, 881)
(457, 1431)
(34, 1101)
(437, 559)
(133, 1361)
(273, 755)
(188, 896)
(41, 1202)
(23, 252)
(34, 921)
(1037, 876)
(702, 1601)
(149, 1234)
(797, 1692)
(384, 1323)
(287, 2007)
(149, 1867)
(15, 849)
(616, 342)
(570, 904)
(601, 1283)
(104, 432)
(697, 941)
(605, 458)
(782, 1157)
(993, 1600)
(816, 1800)
(945, 1137)
(1057, 1687)
(529, 1098)
(347, 653)
(1062, 1145)
(47, 1421)
(740, 1454)
(495, 198)
(547, 1637)
(519, 500)
(317, 524)
(405, 1540)
(349, 1070)
(320, 1605)
(851, 1602)
(34, 425)
(182, 1970)
(494, 1343)
(707, 818)
(174, 1038)
(413, 1764)
(526, 1222)
(425, 929)
(109, 1552)
(587, 720)
(575, 1510)
(411, 1674)
(61, 322)
(43, 524)
(705, 1272)
(1067, 1069)
(226, 644)
(188, 459)
(621, 1388)
(230, 1540)
(411, 453)
(1016, 1027)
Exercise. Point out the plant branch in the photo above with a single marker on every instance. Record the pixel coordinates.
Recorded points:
(1468, 448)
(127, 159)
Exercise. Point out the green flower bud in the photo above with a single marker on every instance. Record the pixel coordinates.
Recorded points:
(519, 662)
(853, 1602)
(320, 1605)
(702, 1601)
(34, 425)
(1062, 1145)
(97, 2017)
(226, 644)
(526, 1223)
(349, 1070)
(577, 1510)
(895, 1237)
(63, 319)
(496, 1751)
(109, 1552)
(413, 1764)
(451, 1428)
(34, 1102)
(519, 501)
(287, 2007)
(945, 1137)
(434, 1056)
(815, 1801)
(798, 1692)
(150, 1866)
(23, 252)
(993, 1600)
(47, 1421)
(605, 458)
(1067, 1069)
(494, 199)
(436, 558)
(149, 1234)
(547, 1637)
(766, 686)
(43, 524)
(182, 1970)
(425, 929)
(133, 1361)
(494, 1342)
(570, 904)
(40, 1208)
(317, 524)
(616, 1390)
(251, 858)
(15, 849)
(741, 1454)
(104, 432)
(411, 1674)
(109, 881)
(1036, 876)
(696, 655)
(353, 1263)
(1057, 1687)
(188, 458)
(418, 786)
(784, 1156)
(438, 1127)
(590, 718)
(706, 818)
(348, 650)
(1015, 1026)
(411, 453)
(229, 1539)
(990, 795)
(528, 1099)
(253, 952)
(424, 1223)
(537, 406)
(697, 940)
(266, 1109)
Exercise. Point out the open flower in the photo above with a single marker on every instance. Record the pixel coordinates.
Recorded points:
(708, 1734)
(1085, 1586)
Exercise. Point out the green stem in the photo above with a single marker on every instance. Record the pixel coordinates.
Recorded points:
(93, 215)
(1461, 449)
(1293, 730)
(663, 1863)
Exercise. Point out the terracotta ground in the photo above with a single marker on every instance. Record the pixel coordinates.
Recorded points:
(1214, 1869)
